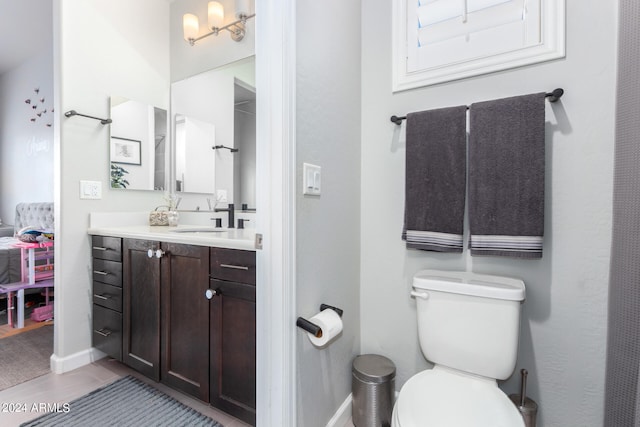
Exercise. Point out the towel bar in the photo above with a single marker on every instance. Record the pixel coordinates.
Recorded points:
(72, 113)
(552, 96)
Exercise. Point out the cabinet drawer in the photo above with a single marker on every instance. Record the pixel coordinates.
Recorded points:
(107, 296)
(233, 265)
(107, 331)
(109, 248)
(241, 291)
(109, 272)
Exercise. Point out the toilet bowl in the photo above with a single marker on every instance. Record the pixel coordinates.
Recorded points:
(442, 398)
(468, 328)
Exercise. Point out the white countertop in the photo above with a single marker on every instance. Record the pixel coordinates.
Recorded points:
(232, 238)
(229, 238)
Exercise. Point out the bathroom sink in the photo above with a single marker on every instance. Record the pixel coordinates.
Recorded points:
(198, 229)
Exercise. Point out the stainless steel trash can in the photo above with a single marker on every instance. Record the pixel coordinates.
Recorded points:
(372, 388)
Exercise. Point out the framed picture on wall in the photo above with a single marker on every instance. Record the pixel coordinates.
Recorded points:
(436, 41)
(125, 150)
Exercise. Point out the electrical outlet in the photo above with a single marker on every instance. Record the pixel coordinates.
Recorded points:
(90, 189)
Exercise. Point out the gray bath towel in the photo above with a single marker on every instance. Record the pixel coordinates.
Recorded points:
(506, 177)
(435, 179)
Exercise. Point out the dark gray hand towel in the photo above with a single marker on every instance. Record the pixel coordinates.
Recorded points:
(506, 176)
(435, 179)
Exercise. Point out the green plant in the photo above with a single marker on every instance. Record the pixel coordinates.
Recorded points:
(117, 176)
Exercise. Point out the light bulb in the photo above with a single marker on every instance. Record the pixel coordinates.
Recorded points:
(215, 14)
(243, 8)
(190, 26)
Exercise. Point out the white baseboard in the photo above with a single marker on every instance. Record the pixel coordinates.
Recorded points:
(342, 415)
(60, 365)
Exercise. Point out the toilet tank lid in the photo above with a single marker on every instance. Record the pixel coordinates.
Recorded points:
(468, 283)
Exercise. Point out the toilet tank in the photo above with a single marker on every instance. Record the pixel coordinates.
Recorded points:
(469, 321)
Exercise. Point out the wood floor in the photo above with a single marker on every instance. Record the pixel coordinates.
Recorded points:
(7, 331)
(63, 388)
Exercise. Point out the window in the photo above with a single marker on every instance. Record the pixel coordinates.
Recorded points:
(441, 40)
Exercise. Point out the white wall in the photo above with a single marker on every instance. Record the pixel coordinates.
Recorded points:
(327, 227)
(564, 318)
(26, 147)
(101, 49)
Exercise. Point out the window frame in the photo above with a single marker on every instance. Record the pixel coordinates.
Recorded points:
(552, 47)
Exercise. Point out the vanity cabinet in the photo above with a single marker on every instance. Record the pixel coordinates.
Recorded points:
(183, 315)
(141, 312)
(233, 332)
(185, 319)
(166, 317)
(107, 295)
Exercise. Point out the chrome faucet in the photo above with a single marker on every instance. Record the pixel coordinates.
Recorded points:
(231, 211)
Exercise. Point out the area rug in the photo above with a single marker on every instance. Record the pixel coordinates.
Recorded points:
(125, 402)
(25, 356)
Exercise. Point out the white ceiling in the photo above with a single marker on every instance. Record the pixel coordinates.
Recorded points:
(26, 28)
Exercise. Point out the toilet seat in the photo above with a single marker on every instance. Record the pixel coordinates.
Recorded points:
(442, 397)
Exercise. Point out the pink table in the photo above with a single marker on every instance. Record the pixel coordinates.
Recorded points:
(33, 276)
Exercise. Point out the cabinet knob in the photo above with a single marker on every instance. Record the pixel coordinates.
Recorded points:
(210, 293)
(159, 253)
(150, 253)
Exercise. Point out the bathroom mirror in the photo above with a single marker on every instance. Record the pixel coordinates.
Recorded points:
(215, 133)
(138, 145)
(194, 156)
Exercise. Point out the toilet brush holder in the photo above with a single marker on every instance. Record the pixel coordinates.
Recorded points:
(528, 407)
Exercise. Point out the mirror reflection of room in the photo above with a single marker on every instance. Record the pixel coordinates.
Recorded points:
(244, 166)
(194, 156)
(217, 106)
(138, 145)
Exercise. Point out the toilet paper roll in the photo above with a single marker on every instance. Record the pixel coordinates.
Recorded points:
(330, 325)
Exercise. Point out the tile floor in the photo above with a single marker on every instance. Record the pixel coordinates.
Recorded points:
(52, 388)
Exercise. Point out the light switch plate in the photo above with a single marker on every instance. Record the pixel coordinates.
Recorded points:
(311, 179)
(90, 189)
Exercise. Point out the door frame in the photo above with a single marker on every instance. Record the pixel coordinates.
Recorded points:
(276, 219)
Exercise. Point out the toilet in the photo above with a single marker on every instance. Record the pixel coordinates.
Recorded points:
(468, 327)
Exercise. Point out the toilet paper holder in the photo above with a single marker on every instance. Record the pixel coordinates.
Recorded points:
(311, 327)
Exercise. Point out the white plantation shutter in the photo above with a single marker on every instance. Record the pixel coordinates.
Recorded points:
(441, 40)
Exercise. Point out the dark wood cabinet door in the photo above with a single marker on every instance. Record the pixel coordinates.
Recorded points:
(185, 319)
(107, 331)
(141, 308)
(233, 349)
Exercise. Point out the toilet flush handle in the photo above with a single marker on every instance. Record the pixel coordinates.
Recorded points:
(423, 295)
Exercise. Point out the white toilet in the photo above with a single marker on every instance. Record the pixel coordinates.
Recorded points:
(468, 327)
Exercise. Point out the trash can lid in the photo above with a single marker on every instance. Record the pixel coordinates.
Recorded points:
(373, 368)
